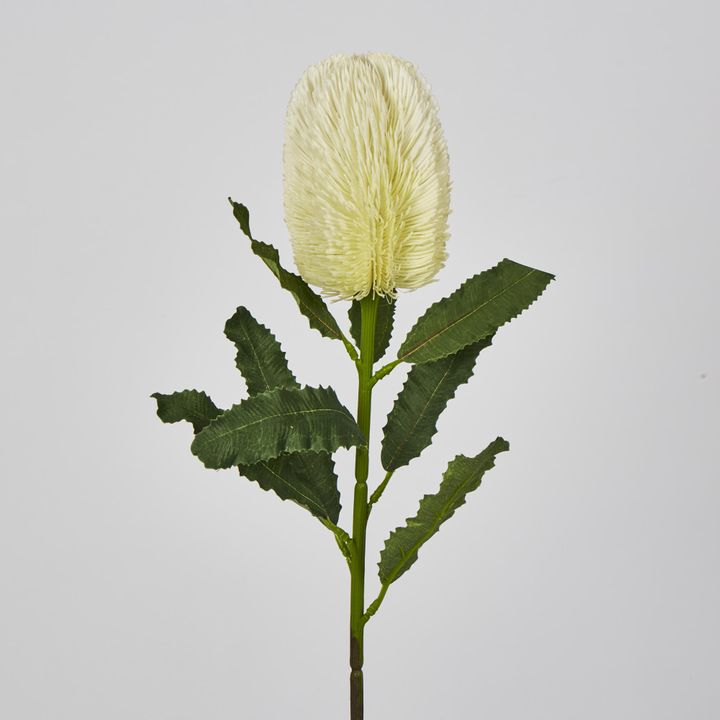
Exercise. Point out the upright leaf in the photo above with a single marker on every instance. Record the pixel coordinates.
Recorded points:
(463, 475)
(279, 421)
(259, 357)
(307, 478)
(383, 325)
(412, 421)
(191, 405)
(311, 305)
(474, 311)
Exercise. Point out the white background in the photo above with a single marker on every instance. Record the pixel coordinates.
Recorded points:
(580, 581)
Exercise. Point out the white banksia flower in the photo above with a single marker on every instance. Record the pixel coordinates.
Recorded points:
(367, 184)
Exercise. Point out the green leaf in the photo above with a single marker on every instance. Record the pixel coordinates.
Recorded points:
(383, 325)
(307, 478)
(474, 311)
(427, 390)
(463, 475)
(311, 305)
(191, 405)
(259, 357)
(283, 420)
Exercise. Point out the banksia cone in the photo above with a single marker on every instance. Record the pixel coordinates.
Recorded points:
(367, 187)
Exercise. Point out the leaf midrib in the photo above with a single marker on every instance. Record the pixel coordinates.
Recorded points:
(421, 415)
(433, 529)
(257, 357)
(465, 316)
(278, 415)
(282, 479)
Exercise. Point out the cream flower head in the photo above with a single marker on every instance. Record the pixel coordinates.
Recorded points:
(367, 185)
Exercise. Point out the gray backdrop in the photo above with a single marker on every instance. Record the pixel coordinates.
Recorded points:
(581, 580)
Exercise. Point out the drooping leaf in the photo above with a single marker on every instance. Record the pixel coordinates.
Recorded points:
(259, 357)
(191, 405)
(383, 324)
(307, 478)
(463, 475)
(427, 390)
(279, 421)
(311, 305)
(474, 311)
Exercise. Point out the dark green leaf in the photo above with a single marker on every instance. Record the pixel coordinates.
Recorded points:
(283, 420)
(259, 357)
(311, 305)
(307, 478)
(474, 311)
(191, 405)
(463, 475)
(427, 390)
(383, 324)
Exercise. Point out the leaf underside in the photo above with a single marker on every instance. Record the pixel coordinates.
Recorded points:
(259, 357)
(279, 421)
(481, 305)
(311, 305)
(383, 325)
(429, 387)
(463, 475)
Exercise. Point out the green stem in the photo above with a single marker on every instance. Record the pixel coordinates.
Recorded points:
(368, 315)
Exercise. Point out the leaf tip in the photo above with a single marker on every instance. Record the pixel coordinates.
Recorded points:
(242, 215)
(161, 399)
(544, 273)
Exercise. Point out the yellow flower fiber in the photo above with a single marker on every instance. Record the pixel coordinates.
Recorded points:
(367, 186)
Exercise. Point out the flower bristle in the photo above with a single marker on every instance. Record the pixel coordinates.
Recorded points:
(366, 177)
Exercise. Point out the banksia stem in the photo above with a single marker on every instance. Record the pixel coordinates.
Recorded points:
(368, 308)
(367, 199)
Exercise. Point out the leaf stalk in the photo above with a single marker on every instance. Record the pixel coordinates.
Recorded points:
(380, 489)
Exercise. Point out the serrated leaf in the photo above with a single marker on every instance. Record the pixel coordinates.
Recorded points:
(307, 478)
(192, 406)
(474, 311)
(429, 387)
(463, 475)
(259, 357)
(311, 305)
(383, 324)
(280, 421)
